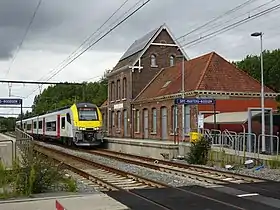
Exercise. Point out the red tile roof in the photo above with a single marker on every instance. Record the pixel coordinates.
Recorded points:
(209, 72)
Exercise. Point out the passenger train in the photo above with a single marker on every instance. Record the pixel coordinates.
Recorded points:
(79, 124)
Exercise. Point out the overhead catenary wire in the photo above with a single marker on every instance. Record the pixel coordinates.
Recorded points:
(91, 35)
(231, 26)
(24, 36)
(143, 4)
(219, 24)
(250, 18)
(220, 16)
(238, 7)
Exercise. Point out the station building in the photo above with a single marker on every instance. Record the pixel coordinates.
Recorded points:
(143, 85)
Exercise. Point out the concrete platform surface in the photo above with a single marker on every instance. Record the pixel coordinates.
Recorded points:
(74, 202)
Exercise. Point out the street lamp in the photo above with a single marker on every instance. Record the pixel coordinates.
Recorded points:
(260, 34)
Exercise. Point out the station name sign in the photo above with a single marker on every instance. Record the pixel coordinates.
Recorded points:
(10, 101)
(195, 101)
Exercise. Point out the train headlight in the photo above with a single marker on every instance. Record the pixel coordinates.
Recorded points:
(82, 129)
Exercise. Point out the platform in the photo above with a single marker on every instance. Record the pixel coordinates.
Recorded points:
(144, 147)
(169, 150)
(96, 201)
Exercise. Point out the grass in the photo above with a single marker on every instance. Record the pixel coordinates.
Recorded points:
(34, 174)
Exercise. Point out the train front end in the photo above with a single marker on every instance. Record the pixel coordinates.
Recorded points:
(88, 125)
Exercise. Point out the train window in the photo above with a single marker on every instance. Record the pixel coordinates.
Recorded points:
(51, 126)
(63, 123)
(34, 125)
(68, 118)
(40, 124)
(28, 126)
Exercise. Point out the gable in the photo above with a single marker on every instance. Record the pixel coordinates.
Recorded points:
(140, 46)
(209, 72)
(169, 80)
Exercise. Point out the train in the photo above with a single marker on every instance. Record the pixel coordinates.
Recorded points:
(79, 124)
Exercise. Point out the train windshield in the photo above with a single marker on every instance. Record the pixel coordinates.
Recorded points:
(87, 114)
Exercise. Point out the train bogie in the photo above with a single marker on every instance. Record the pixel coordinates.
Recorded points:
(79, 124)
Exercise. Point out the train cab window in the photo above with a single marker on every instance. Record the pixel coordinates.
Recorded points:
(40, 124)
(63, 123)
(87, 114)
(68, 118)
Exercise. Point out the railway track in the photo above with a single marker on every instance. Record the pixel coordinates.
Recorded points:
(110, 178)
(198, 173)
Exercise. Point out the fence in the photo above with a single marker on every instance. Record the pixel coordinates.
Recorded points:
(243, 142)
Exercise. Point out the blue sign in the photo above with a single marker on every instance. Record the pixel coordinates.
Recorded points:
(194, 101)
(10, 101)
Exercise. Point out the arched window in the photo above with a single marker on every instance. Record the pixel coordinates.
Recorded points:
(153, 60)
(124, 94)
(137, 121)
(171, 60)
(154, 113)
(118, 89)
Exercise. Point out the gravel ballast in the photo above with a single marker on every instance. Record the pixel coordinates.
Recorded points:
(171, 179)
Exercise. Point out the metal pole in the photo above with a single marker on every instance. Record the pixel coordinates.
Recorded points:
(183, 96)
(262, 96)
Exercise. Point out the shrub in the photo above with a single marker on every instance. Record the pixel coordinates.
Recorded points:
(34, 174)
(199, 151)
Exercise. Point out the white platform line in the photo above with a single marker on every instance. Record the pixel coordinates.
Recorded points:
(247, 195)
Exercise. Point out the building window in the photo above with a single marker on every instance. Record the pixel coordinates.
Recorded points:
(113, 119)
(119, 120)
(112, 91)
(174, 119)
(137, 129)
(187, 119)
(118, 89)
(153, 61)
(154, 113)
(171, 60)
(124, 94)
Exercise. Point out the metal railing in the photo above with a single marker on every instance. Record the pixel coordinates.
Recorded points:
(242, 142)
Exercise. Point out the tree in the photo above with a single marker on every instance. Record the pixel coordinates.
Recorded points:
(271, 59)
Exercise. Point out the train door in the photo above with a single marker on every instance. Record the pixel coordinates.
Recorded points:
(44, 126)
(63, 126)
(69, 126)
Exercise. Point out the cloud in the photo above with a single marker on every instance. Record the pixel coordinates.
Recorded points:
(60, 27)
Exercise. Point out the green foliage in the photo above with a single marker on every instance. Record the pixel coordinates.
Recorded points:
(7, 124)
(61, 95)
(274, 163)
(33, 174)
(199, 152)
(271, 59)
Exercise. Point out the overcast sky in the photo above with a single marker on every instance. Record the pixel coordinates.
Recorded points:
(61, 26)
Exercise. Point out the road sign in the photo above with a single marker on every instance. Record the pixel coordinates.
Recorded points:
(10, 101)
(194, 101)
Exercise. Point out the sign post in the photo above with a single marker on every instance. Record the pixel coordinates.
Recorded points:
(13, 101)
(197, 101)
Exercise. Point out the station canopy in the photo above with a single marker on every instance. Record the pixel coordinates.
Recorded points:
(231, 117)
